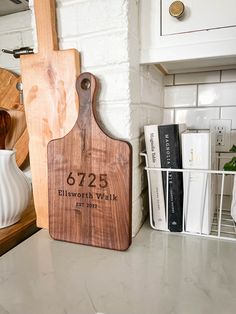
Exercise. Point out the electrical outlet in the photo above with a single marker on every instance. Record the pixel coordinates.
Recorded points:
(221, 130)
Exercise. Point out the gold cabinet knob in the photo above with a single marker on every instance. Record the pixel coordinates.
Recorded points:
(176, 9)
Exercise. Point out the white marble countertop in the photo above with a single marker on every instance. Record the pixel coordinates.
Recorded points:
(160, 273)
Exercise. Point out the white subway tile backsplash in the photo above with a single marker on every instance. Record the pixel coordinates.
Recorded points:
(228, 75)
(133, 56)
(180, 96)
(137, 187)
(137, 214)
(151, 72)
(154, 115)
(144, 70)
(155, 74)
(137, 149)
(151, 92)
(211, 93)
(169, 80)
(144, 110)
(168, 116)
(217, 94)
(229, 113)
(196, 118)
(201, 77)
(135, 90)
(224, 158)
(233, 138)
(133, 23)
(136, 121)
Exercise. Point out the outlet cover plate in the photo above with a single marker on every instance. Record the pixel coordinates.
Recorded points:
(221, 129)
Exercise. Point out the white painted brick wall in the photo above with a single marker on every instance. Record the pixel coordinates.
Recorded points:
(15, 32)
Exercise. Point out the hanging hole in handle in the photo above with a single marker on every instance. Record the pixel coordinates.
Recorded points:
(85, 84)
(19, 86)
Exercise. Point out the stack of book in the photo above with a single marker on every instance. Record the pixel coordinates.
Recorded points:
(186, 203)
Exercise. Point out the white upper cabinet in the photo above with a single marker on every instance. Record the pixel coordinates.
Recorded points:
(204, 36)
(198, 15)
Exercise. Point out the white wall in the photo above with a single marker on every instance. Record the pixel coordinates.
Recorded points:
(15, 32)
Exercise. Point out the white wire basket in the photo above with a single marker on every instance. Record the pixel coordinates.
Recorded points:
(222, 224)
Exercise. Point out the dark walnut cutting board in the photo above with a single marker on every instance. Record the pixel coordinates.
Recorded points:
(50, 98)
(90, 178)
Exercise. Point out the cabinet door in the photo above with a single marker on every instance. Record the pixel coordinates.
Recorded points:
(198, 15)
(204, 38)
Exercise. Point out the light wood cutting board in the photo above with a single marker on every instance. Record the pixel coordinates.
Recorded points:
(51, 102)
(9, 94)
(90, 180)
(17, 137)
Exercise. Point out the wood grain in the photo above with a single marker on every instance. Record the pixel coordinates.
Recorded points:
(10, 100)
(22, 145)
(5, 125)
(13, 235)
(9, 95)
(90, 180)
(51, 102)
(18, 126)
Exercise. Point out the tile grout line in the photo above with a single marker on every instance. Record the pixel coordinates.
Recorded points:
(197, 96)
(202, 83)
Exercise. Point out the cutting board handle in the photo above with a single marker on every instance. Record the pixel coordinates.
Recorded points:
(86, 86)
(45, 16)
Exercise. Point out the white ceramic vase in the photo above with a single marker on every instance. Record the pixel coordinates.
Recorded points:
(15, 189)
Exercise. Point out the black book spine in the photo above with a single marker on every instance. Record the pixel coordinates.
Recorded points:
(170, 154)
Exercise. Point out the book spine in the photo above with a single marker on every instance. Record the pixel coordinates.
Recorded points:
(198, 206)
(233, 203)
(170, 152)
(156, 186)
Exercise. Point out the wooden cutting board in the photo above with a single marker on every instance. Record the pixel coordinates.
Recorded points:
(9, 94)
(90, 177)
(50, 98)
(17, 137)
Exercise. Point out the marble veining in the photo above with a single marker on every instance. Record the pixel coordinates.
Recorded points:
(161, 273)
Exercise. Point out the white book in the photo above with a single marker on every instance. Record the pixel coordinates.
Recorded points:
(233, 203)
(156, 185)
(199, 188)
